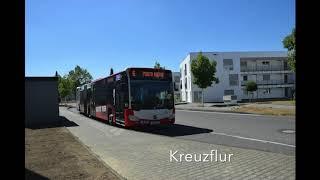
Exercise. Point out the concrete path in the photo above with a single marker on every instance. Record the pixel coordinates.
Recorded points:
(138, 155)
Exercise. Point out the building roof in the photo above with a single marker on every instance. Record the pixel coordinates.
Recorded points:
(217, 52)
(242, 53)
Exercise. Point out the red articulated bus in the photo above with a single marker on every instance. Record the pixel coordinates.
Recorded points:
(134, 97)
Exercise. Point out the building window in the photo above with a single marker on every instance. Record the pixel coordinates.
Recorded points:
(186, 84)
(228, 64)
(266, 91)
(185, 69)
(285, 65)
(285, 78)
(228, 92)
(266, 77)
(245, 92)
(197, 96)
(181, 84)
(176, 78)
(233, 79)
(176, 85)
(243, 63)
(245, 78)
(265, 62)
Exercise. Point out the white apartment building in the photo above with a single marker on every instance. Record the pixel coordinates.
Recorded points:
(268, 69)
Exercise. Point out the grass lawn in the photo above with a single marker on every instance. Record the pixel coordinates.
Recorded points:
(266, 111)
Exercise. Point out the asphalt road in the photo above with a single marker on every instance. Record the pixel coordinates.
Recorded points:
(231, 129)
(241, 130)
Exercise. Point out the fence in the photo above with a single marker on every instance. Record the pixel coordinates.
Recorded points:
(264, 68)
(271, 82)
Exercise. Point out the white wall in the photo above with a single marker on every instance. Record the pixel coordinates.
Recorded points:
(41, 101)
(216, 91)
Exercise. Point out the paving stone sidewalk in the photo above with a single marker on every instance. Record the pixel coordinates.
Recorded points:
(137, 155)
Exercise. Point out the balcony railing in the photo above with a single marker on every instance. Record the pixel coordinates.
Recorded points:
(271, 82)
(264, 68)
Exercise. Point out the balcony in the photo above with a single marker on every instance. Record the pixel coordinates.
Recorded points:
(271, 82)
(264, 68)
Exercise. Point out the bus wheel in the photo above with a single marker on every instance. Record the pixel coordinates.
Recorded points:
(111, 119)
(88, 111)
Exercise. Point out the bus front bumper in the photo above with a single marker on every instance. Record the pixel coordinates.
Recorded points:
(145, 122)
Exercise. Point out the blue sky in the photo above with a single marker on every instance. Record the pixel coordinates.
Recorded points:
(100, 34)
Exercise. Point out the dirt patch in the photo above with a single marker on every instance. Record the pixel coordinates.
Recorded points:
(288, 103)
(283, 102)
(265, 111)
(55, 154)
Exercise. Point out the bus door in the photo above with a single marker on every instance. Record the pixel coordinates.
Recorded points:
(121, 100)
(93, 100)
(85, 99)
(89, 100)
(117, 100)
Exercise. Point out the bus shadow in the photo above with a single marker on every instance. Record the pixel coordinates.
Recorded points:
(32, 175)
(170, 130)
(60, 122)
(173, 130)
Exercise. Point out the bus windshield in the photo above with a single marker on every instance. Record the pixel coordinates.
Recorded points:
(148, 94)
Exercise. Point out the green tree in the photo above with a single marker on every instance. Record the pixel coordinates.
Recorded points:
(251, 86)
(59, 77)
(289, 42)
(64, 86)
(78, 77)
(158, 66)
(203, 71)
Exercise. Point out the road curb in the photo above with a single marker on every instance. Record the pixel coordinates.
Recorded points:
(68, 106)
(204, 110)
(97, 156)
